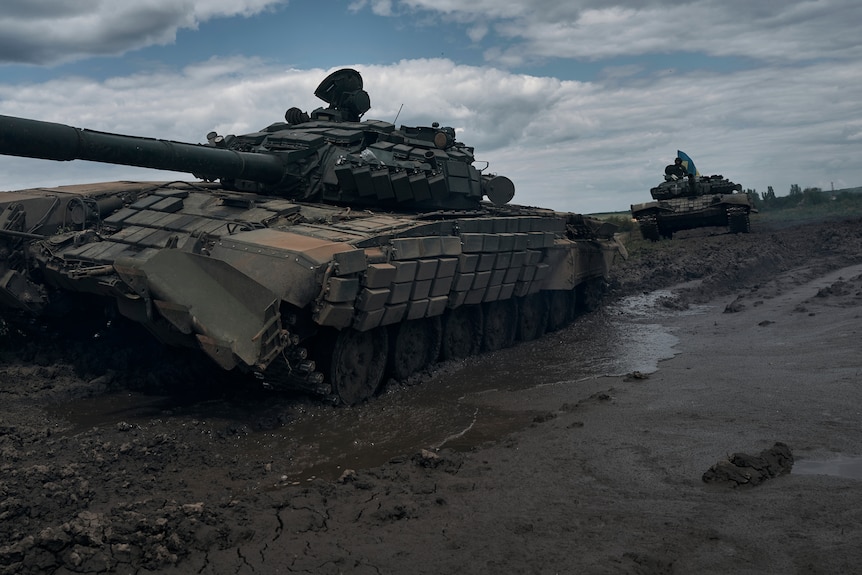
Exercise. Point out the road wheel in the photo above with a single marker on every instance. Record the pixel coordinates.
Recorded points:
(500, 325)
(357, 363)
(413, 346)
(532, 317)
(462, 332)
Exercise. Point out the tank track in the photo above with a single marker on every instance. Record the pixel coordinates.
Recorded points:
(649, 228)
(738, 221)
(411, 347)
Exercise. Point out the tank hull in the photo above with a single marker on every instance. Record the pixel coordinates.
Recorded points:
(303, 295)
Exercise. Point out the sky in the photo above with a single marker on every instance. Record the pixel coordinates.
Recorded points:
(581, 103)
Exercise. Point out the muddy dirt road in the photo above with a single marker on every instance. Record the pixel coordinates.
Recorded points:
(583, 452)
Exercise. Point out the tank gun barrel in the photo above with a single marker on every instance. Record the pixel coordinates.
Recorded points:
(51, 141)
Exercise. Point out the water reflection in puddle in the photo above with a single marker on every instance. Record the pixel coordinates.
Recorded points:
(450, 409)
(844, 466)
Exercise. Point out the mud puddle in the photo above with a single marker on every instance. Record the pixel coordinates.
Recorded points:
(457, 407)
(849, 467)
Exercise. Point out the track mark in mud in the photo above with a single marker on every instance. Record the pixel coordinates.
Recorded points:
(543, 418)
(597, 397)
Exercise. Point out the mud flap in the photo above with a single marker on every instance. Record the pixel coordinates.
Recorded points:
(234, 318)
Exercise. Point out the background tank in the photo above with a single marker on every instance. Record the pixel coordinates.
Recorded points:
(320, 253)
(693, 202)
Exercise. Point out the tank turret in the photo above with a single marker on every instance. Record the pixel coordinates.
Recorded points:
(328, 155)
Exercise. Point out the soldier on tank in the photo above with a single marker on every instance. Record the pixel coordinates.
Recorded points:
(675, 170)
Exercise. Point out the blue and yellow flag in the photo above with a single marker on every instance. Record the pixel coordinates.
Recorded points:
(686, 161)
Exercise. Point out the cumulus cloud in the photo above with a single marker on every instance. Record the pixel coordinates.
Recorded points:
(55, 31)
(379, 7)
(512, 32)
(776, 30)
(582, 146)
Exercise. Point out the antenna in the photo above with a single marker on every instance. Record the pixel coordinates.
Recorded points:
(398, 114)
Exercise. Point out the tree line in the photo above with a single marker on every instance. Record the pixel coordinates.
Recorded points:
(798, 197)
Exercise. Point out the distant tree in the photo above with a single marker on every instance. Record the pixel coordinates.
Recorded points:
(767, 199)
(753, 198)
(814, 196)
(841, 200)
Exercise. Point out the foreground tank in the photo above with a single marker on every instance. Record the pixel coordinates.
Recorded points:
(321, 253)
(684, 204)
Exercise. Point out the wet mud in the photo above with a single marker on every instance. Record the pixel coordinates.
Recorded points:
(840, 466)
(582, 451)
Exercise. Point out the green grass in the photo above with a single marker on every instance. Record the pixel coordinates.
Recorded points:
(847, 205)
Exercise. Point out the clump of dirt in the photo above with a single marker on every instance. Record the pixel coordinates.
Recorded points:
(745, 470)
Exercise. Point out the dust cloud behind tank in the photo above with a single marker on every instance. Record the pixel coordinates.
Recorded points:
(321, 253)
(687, 200)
